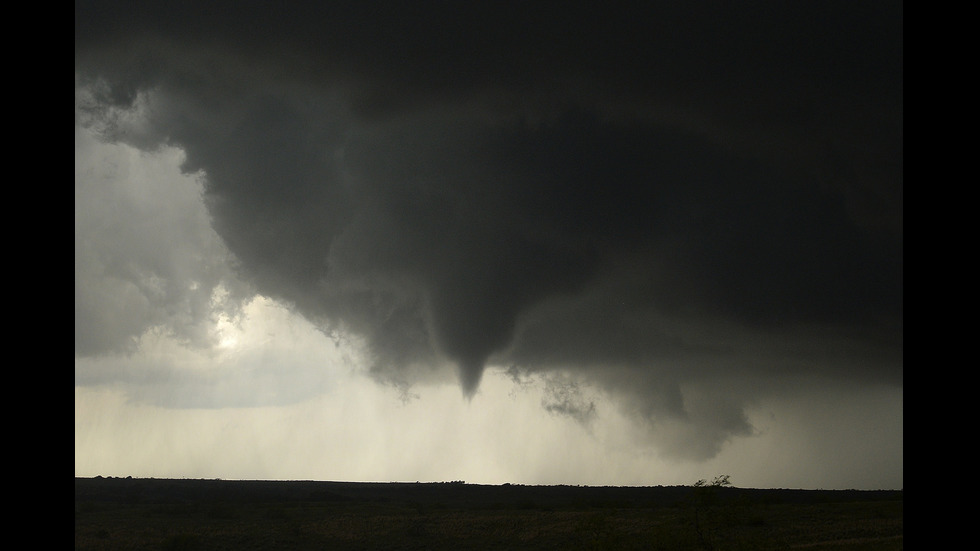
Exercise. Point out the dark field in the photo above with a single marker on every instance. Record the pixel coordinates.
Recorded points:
(165, 514)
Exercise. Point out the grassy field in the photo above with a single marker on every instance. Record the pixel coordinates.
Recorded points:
(164, 514)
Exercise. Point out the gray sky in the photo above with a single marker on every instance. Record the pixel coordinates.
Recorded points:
(442, 242)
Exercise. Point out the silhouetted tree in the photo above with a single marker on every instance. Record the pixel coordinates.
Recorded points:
(704, 497)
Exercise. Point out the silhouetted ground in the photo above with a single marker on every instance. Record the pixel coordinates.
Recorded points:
(172, 514)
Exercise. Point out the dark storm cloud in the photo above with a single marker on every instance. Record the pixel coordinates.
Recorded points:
(647, 196)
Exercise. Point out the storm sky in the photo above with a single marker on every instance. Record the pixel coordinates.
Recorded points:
(587, 244)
